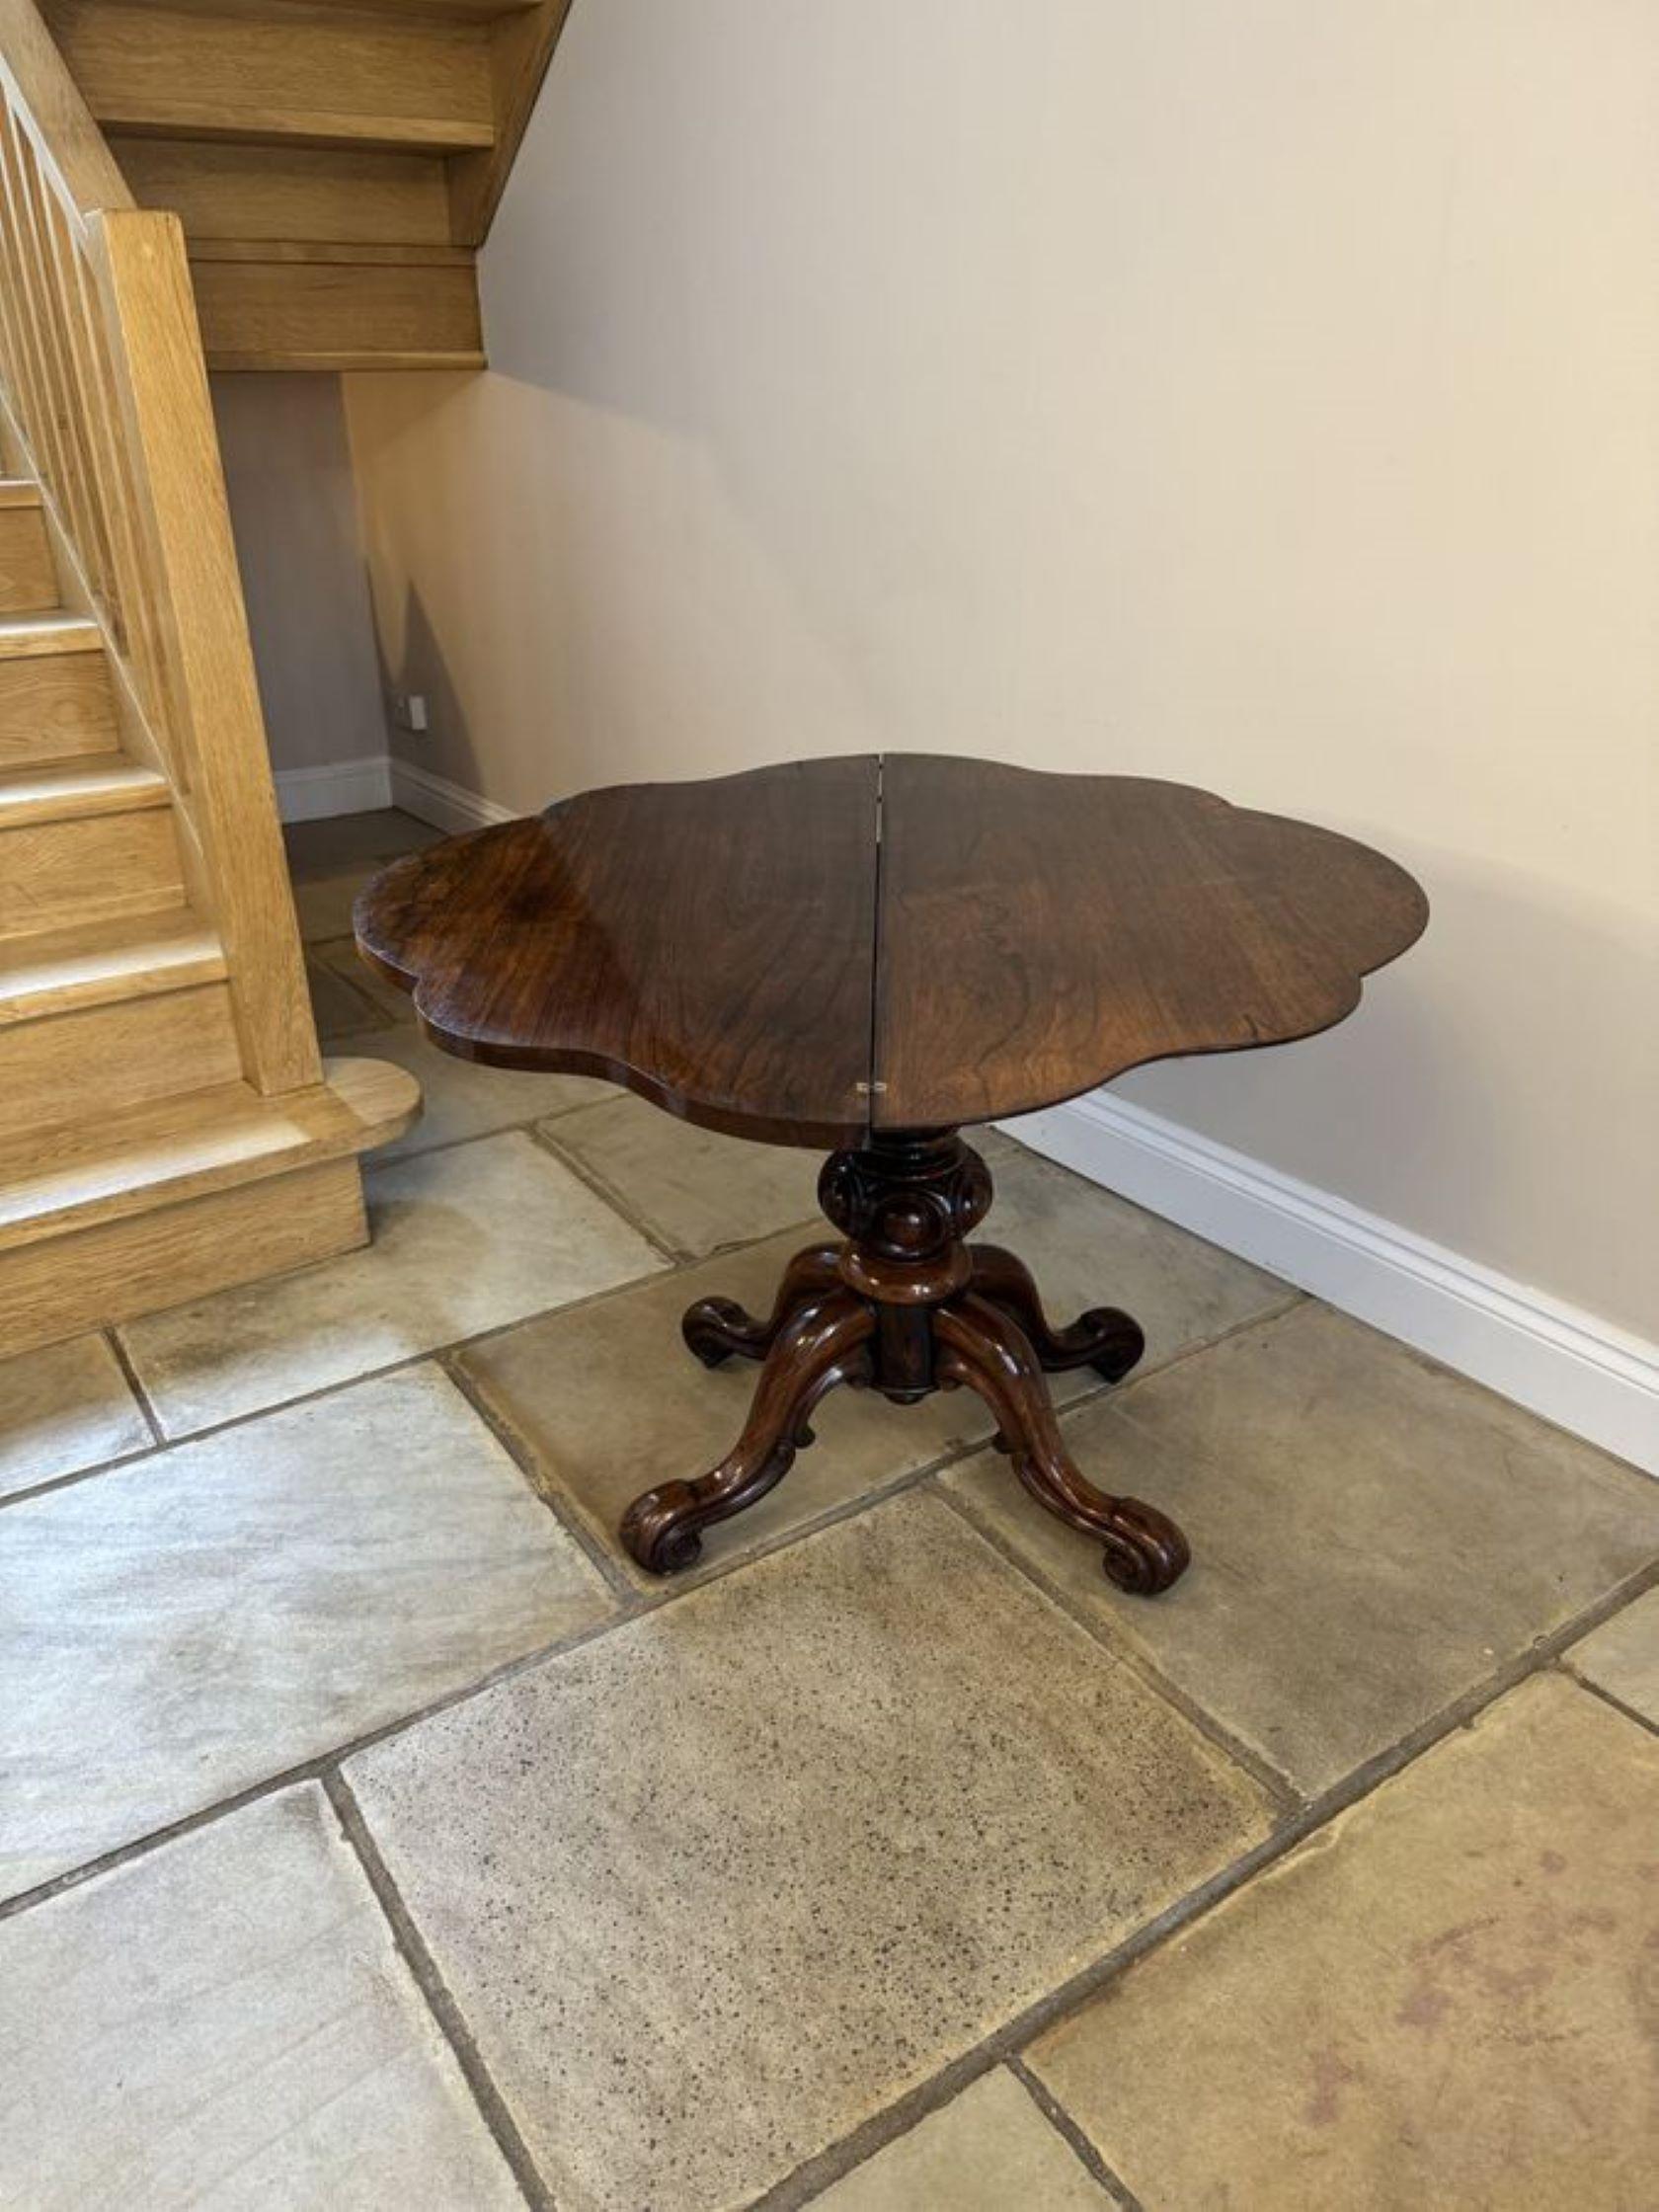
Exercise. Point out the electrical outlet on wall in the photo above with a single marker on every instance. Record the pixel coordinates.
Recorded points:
(410, 709)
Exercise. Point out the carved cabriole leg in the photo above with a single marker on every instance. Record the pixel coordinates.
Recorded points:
(981, 1346)
(821, 1343)
(716, 1327)
(1103, 1338)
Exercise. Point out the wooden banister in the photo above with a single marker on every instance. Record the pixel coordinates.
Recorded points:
(105, 391)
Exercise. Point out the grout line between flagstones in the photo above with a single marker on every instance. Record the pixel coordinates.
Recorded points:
(611, 1197)
(1281, 1790)
(129, 1375)
(310, 1769)
(599, 1554)
(1606, 1696)
(492, 2107)
(1060, 2120)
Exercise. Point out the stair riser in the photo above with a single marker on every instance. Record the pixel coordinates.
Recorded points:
(54, 873)
(254, 313)
(55, 708)
(104, 1057)
(27, 578)
(93, 1276)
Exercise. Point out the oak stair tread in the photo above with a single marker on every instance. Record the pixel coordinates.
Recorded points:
(70, 790)
(19, 491)
(132, 1162)
(56, 630)
(100, 963)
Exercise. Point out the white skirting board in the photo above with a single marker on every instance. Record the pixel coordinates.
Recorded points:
(339, 787)
(445, 804)
(1573, 1369)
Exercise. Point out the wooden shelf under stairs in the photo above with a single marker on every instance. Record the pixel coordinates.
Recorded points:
(138, 1167)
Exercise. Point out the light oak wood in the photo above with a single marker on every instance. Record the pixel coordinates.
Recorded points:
(286, 125)
(56, 873)
(36, 637)
(164, 1125)
(321, 193)
(55, 706)
(80, 160)
(185, 1147)
(455, 11)
(166, 416)
(520, 48)
(319, 78)
(27, 578)
(413, 305)
(70, 790)
(102, 963)
(172, 1253)
(110, 1058)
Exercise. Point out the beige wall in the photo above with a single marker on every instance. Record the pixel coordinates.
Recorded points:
(1259, 392)
(293, 509)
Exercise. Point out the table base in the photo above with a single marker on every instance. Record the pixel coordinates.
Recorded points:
(906, 1306)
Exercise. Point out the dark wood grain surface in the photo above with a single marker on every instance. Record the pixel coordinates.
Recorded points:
(709, 944)
(734, 950)
(1040, 934)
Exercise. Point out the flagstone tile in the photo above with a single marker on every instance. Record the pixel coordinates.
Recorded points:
(62, 1409)
(324, 903)
(713, 1888)
(1446, 1998)
(1371, 1534)
(340, 956)
(606, 1401)
(354, 840)
(463, 1240)
(226, 2021)
(338, 1006)
(193, 1622)
(462, 1099)
(990, 2150)
(694, 1190)
(1087, 1247)
(1623, 1657)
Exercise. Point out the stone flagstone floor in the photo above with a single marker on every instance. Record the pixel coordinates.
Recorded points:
(374, 1834)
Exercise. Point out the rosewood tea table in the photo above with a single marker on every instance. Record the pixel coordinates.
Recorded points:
(863, 956)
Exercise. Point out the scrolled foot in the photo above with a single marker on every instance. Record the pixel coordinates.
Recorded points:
(1144, 1552)
(1104, 1338)
(717, 1328)
(659, 1528)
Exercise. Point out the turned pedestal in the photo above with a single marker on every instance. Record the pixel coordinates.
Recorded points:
(907, 1305)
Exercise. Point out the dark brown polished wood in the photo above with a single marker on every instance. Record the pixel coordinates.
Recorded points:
(866, 954)
(708, 944)
(1040, 934)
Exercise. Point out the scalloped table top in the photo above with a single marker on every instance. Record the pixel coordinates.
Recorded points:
(811, 953)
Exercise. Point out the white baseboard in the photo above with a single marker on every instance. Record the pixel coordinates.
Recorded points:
(1581, 1372)
(445, 804)
(339, 787)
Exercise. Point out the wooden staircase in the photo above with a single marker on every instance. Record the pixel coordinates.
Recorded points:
(167, 1126)
(334, 166)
